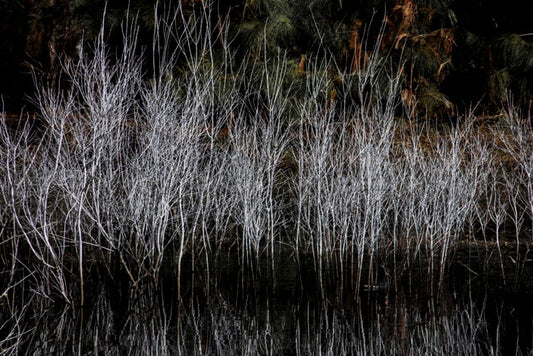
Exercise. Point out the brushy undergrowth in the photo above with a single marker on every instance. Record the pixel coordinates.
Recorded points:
(137, 173)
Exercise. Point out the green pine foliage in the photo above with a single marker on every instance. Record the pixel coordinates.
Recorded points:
(266, 25)
(461, 52)
(512, 60)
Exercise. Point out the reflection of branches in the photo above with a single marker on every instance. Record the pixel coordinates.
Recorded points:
(14, 329)
(223, 327)
(405, 330)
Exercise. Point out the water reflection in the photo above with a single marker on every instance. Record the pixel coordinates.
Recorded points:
(151, 324)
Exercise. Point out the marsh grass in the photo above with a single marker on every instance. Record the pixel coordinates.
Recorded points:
(133, 171)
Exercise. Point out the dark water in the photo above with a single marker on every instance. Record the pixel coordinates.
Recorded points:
(252, 313)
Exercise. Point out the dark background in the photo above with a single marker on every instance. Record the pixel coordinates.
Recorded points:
(456, 54)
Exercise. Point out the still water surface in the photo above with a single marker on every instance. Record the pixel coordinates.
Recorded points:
(251, 313)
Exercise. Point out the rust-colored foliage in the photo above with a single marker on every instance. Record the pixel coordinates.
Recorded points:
(301, 64)
(360, 56)
(408, 101)
(427, 53)
(400, 20)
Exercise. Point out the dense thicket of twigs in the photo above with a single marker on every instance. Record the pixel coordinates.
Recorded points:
(214, 152)
(175, 134)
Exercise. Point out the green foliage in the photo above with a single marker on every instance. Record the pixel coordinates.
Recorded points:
(267, 25)
(262, 7)
(499, 82)
(432, 100)
(514, 51)
(439, 42)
